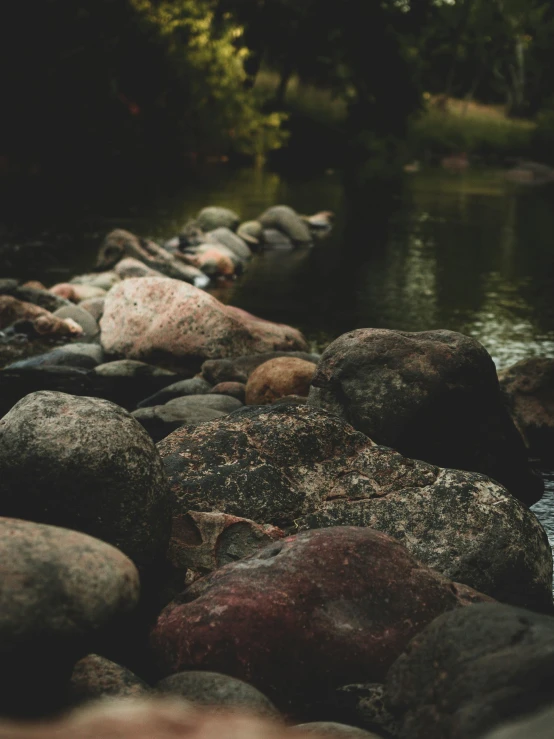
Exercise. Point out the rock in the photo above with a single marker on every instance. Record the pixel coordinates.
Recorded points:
(130, 267)
(192, 386)
(8, 285)
(218, 692)
(96, 677)
(216, 217)
(336, 731)
(239, 369)
(364, 704)
(277, 378)
(42, 298)
(162, 420)
(85, 356)
(234, 389)
(212, 260)
(291, 400)
(102, 280)
(77, 292)
(233, 242)
(469, 672)
(34, 285)
(170, 320)
(202, 542)
(528, 387)
(120, 243)
(33, 320)
(432, 395)
(335, 605)
(286, 220)
(82, 317)
(322, 221)
(85, 463)
(95, 306)
(12, 310)
(59, 589)
(296, 466)
(537, 726)
(275, 239)
(252, 232)
(163, 718)
(131, 368)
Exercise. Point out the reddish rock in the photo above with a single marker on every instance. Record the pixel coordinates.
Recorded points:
(278, 378)
(34, 285)
(211, 261)
(299, 467)
(234, 389)
(528, 387)
(41, 321)
(239, 369)
(306, 614)
(161, 718)
(159, 318)
(431, 395)
(202, 542)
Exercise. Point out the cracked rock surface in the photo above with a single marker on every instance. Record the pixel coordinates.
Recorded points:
(298, 467)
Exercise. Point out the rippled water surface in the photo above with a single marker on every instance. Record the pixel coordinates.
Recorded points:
(467, 253)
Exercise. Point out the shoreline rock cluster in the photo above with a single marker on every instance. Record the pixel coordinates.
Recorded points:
(226, 534)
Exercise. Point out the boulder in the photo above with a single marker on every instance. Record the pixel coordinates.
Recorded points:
(202, 542)
(191, 386)
(299, 467)
(239, 369)
(216, 217)
(233, 242)
(86, 356)
(85, 463)
(528, 387)
(234, 389)
(471, 671)
(131, 267)
(278, 378)
(120, 243)
(172, 321)
(60, 589)
(163, 718)
(287, 221)
(82, 317)
(432, 395)
(305, 614)
(95, 677)
(162, 420)
(95, 306)
(218, 693)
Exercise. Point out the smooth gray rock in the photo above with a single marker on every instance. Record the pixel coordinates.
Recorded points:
(336, 731)
(85, 356)
(96, 677)
(81, 316)
(216, 217)
(192, 386)
(285, 219)
(131, 368)
(233, 242)
(218, 692)
(95, 307)
(85, 463)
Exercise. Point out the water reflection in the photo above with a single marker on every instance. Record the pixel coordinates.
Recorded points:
(438, 251)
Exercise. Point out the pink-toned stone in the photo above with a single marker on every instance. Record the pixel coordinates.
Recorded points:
(161, 318)
(161, 718)
(306, 614)
(277, 379)
(34, 285)
(211, 261)
(75, 292)
(44, 322)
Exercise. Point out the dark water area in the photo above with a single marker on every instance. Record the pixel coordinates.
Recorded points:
(467, 253)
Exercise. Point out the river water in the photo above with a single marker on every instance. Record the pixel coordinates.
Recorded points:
(468, 253)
